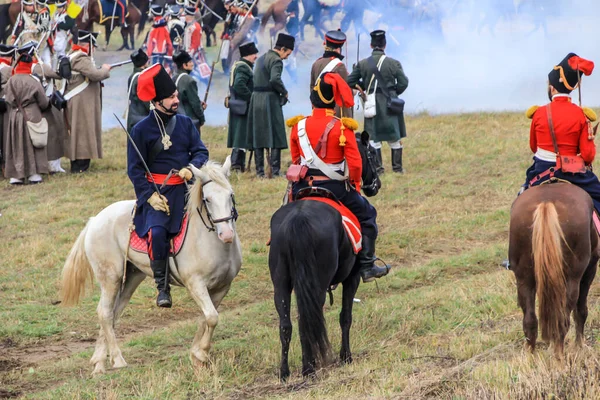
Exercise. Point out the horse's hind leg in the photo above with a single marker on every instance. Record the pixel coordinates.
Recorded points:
(526, 295)
(581, 312)
(283, 299)
(350, 288)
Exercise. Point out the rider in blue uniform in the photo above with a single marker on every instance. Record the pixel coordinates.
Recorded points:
(167, 141)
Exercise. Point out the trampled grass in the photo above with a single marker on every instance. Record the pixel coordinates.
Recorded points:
(443, 324)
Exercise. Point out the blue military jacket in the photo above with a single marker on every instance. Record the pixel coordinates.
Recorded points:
(186, 148)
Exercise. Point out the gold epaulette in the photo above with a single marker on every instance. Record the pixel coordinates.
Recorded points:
(350, 123)
(294, 120)
(590, 114)
(530, 111)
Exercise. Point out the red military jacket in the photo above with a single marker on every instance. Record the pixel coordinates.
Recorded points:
(159, 41)
(571, 128)
(193, 38)
(315, 127)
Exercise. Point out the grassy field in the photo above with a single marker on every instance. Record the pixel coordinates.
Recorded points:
(443, 324)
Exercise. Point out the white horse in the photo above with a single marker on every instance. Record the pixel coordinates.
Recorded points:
(210, 258)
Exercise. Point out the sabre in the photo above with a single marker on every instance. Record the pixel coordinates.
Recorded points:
(142, 160)
(212, 70)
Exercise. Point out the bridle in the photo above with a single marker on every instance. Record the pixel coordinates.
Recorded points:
(211, 220)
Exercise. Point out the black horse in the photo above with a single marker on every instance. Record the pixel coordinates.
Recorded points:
(309, 252)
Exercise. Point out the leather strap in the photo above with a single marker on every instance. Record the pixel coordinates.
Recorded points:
(375, 70)
(551, 126)
(321, 148)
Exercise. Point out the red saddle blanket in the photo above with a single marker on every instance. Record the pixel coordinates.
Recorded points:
(140, 245)
(349, 221)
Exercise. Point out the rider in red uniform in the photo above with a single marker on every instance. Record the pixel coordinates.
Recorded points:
(341, 153)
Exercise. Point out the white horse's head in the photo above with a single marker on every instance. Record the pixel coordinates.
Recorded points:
(212, 193)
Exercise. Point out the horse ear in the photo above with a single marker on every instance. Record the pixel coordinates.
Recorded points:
(364, 138)
(198, 174)
(226, 168)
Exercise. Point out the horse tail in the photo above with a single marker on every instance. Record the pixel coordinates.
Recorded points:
(548, 261)
(76, 271)
(300, 238)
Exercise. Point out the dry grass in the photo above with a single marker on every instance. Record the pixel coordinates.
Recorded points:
(443, 324)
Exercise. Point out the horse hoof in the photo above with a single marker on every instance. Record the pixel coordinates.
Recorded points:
(199, 360)
(99, 369)
(119, 363)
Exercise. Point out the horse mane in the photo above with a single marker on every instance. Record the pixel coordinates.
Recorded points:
(214, 172)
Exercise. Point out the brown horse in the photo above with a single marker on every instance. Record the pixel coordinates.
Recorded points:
(553, 252)
(276, 10)
(93, 16)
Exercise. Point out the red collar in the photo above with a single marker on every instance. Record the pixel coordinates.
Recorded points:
(22, 68)
(323, 112)
(561, 99)
(5, 61)
(85, 49)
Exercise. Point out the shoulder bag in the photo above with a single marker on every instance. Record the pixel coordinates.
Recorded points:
(38, 131)
(395, 105)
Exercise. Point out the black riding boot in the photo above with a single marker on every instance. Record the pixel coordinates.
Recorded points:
(78, 166)
(379, 162)
(368, 270)
(276, 162)
(259, 159)
(397, 160)
(238, 160)
(159, 268)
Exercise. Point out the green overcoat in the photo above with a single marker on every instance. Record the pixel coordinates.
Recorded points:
(188, 98)
(241, 82)
(266, 126)
(383, 127)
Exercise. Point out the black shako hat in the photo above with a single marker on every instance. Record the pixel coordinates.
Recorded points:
(190, 10)
(157, 10)
(378, 38)
(25, 53)
(335, 39)
(284, 40)
(7, 51)
(181, 58)
(139, 58)
(87, 37)
(566, 75)
(248, 49)
(155, 84)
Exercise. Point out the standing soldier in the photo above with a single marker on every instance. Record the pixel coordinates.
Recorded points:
(176, 28)
(266, 127)
(137, 109)
(331, 62)
(159, 43)
(64, 18)
(187, 87)
(192, 37)
(6, 57)
(240, 87)
(166, 141)
(83, 115)
(384, 126)
(27, 157)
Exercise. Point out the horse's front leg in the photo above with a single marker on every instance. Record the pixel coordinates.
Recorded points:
(350, 287)
(208, 321)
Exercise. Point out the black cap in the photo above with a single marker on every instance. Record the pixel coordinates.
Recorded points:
(566, 75)
(155, 84)
(378, 38)
(190, 10)
(335, 39)
(87, 37)
(139, 58)
(26, 52)
(7, 51)
(248, 49)
(181, 58)
(284, 40)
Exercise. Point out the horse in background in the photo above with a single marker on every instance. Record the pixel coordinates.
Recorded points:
(86, 21)
(309, 252)
(213, 12)
(209, 260)
(553, 252)
(277, 11)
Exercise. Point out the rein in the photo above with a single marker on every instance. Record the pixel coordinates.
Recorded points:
(211, 220)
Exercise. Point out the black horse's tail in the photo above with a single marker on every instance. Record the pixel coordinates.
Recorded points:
(300, 237)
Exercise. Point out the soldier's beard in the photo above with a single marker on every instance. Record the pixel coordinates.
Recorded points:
(170, 110)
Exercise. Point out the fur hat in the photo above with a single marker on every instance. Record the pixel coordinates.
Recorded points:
(378, 38)
(248, 49)
(181, 58)
(285, 40)
(155, 84)
(566, 75)
(139, 58)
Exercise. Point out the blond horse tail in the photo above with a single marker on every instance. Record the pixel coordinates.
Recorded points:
(548, 262)
(76, 272)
